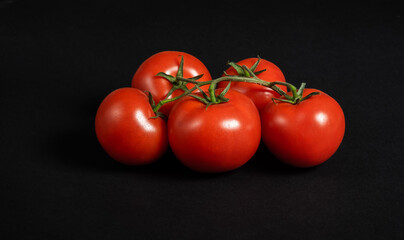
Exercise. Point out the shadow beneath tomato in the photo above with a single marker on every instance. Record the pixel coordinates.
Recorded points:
(265, 162)
(72, 144)
(79, 150)
(170, 167)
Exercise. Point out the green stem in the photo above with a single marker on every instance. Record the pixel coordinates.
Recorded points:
(167, 100)
(211, 89)
(256, 80)
(229, 78)
(175, 87)
(295, 98)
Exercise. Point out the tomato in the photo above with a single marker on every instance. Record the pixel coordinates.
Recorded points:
(260, 95)
(218, 138)
(168, 62)
(305, 134)
(127, 129)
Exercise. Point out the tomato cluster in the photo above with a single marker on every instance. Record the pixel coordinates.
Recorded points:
(216, 125)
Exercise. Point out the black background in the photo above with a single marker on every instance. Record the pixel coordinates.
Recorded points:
(59, 59)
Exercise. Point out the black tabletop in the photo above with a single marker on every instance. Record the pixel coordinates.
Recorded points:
(59, 59)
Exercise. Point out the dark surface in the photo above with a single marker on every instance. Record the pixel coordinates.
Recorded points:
(59, 60)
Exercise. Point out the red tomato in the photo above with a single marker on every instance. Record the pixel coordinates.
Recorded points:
(168, 62)
(305, 134)
(126, 130)
(218, 138)
(259, 94)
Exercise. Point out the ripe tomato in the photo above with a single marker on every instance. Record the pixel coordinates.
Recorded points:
(218, 138)
(305, 134)
(168, 62)
(260, 95)
(126, 130)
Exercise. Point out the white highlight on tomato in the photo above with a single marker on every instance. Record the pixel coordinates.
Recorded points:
(142, 119)
(321, 118)
(231, 124)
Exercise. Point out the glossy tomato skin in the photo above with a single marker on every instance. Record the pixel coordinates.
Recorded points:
(126, 130)
(305, 134)
(168, 62)
(260, 95)
(216, 139)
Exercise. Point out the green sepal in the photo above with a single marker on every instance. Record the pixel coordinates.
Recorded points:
(175, 87)
(222, 99)
(207, 100)
(201, 99)
(221, 95)
(301, 88)
(153, 105)
(282, 100)
(260, 71)
(244, 71)
(170, 78)
(159, 115)
(310, 95)
(207, 105)
(253, 67)
(180, 71)
(240, 71)
(150, 97)
(256, 65)
(203, 93)
(249, 71)
(196, 77)
(179, 74)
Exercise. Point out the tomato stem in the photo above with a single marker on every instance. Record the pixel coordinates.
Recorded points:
(211, 90)
(245, 75)
(167, 100)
